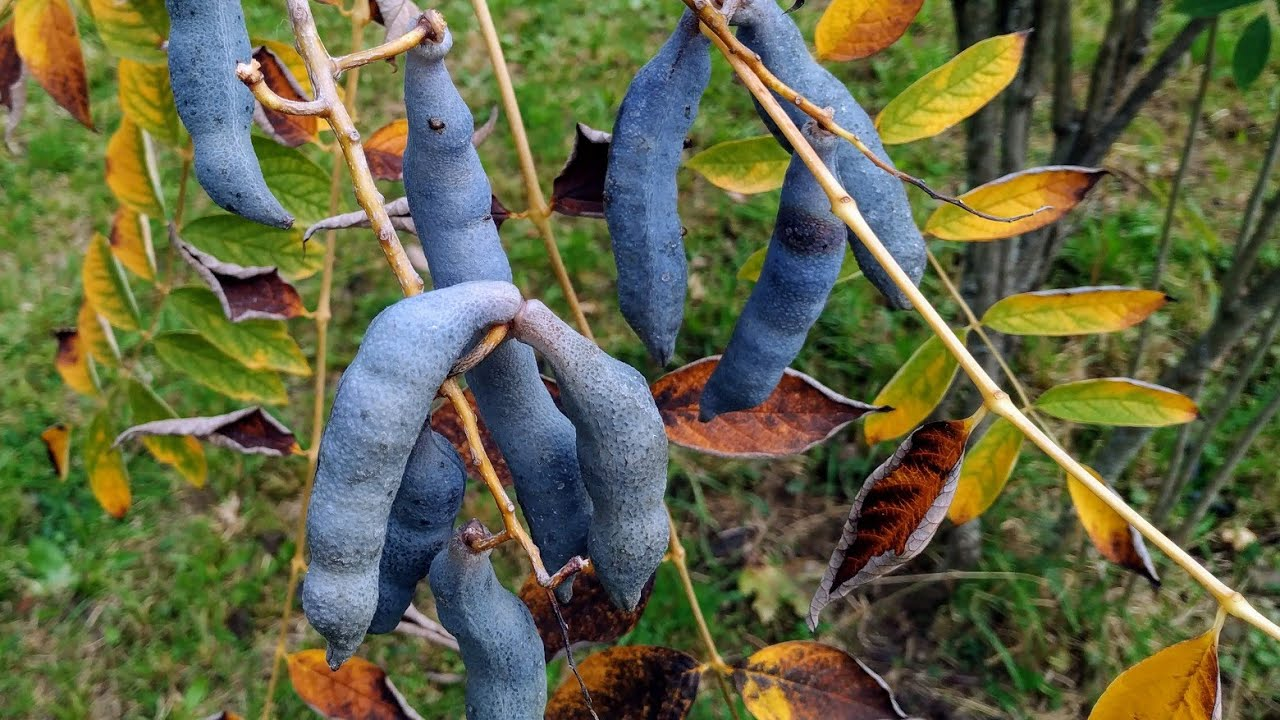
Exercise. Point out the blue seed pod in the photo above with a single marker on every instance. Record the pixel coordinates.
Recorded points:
(498, 640)
(450, 199)
(420, 524)
(622, 448)
(640, 195)
(207, 38)
(766, 29)
(800, 268)
(380, 407)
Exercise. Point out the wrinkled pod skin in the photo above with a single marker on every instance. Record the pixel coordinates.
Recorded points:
(498, 640)
(800, 268)
(640, 195)
(207, 38)
(450, 199)
(622, 448)
(381, 405)
(420, 524)
(766, 29)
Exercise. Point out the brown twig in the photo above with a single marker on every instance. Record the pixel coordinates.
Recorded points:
(490, 342)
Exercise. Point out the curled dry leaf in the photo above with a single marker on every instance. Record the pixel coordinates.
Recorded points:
(1052, 190)
(73, 363)
(897, 511)
(244, 292)
(854, 29)
(397, 210)
(1181, 682)
(1118, 401)
(1114, 538)
(49, 45)
(288, 130)
(1073, 311)
(445, 421)
(633, 682)
(803, 680)
(57, 443)
(800, 414)
(13, 91)
(591, 616)
(252, 431)
(358, 689)
(579, 188)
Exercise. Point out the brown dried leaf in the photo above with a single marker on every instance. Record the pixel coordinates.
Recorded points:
(498, 211)
(897, 511)
(590, 616)
(252, 431)
(445, 421)
(10, 66)
(482, 133)
(385, 150)
(579, 188)
(49, 45)
(633, 682)
(244, 292)
(57, 442)
(288, 130)
(800, 414)
(357, 690)
(73, 364)
(397, 210)
(803, 680)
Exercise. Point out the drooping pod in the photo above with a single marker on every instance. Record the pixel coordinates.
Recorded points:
(766, 29)
(800, 268)
(640, 195)
(622, 449)
(420, 524)
(207, 38)
(381, 405)
(450, 199)
(497, 638)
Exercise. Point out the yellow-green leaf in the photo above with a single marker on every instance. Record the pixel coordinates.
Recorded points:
(243, 242)
(57, 442)
(257, 344)
(1073, 311)
(1115, 539)
(49, 45)
(73, 363)
(191, 354)
(1180, 682)
(131, 242)
(1053, 191)
(986, 471)
(1118, 401)
(753, 165)
(913, 392)
(97, 336)
(181, 452)
(854, 29)
(134, 29)
(952, 92)
(131, 169)
(106, 287)
(750, 270)
(147, 100)
(108, 478)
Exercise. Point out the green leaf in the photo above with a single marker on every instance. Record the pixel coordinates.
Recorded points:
(107, 288)
(135, 29)
(243, 242)
(181, 452)
(301, 185)
(1252, 50)
(1118, 401)
(750, 270)
(191, 354)
(257, 344)
(749, 166)
(1208, 8)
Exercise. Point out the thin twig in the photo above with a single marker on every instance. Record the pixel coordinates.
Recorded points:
(568, 652)
(422, 30)
(490, 342)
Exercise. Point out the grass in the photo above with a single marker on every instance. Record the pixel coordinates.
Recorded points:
(173, 612)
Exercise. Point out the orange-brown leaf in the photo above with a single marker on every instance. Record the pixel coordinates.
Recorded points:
(853, 29)
(591, 616)
(10, 66)
(49, 44)
(244, 292)
(288, 130)
(897, 511)
(359, 690)
(579, 188)
(1115, 539)
(57, 442)
(1181, 682)
(633, 682)
(445, 421)
(800, 414)
(802, 680)
(252, 431)
(73, 364)
(385, 150)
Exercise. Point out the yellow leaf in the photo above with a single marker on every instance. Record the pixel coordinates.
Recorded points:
(750, 270)
(98, 337)
(181, 452)
(57, 441)
(134, 29)
(131, 242)
(913, 392)
(49, 45)
(1118, 401)
(1074, 311)
(1114, 538)
(131, 169)
(1180, 682)
(108, 478)
(147, 100)
(74, 364)
(754, 165)
(984, 475)
(803, 680)
(1056, 189)
(853, 29)
(106, 288)
(190, 353)
(952, 92)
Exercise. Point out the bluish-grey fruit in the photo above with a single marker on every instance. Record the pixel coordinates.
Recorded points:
(498, 640)
(420, 524)
(207, 38)
(380, 407)
(800, 268)
(450, 200)
(766, 29)
(640, 186)
(622, 448)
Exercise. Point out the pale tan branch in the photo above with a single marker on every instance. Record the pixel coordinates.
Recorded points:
(490, 342)
(250, 74)
(429, 27)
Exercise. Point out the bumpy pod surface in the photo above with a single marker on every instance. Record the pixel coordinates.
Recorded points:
(622, 448)
(800, 268)
(450, 199)
(640, 195)
(420, 524)
(381, 405)
(498, 640)
(766, 29)
(207, 38)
